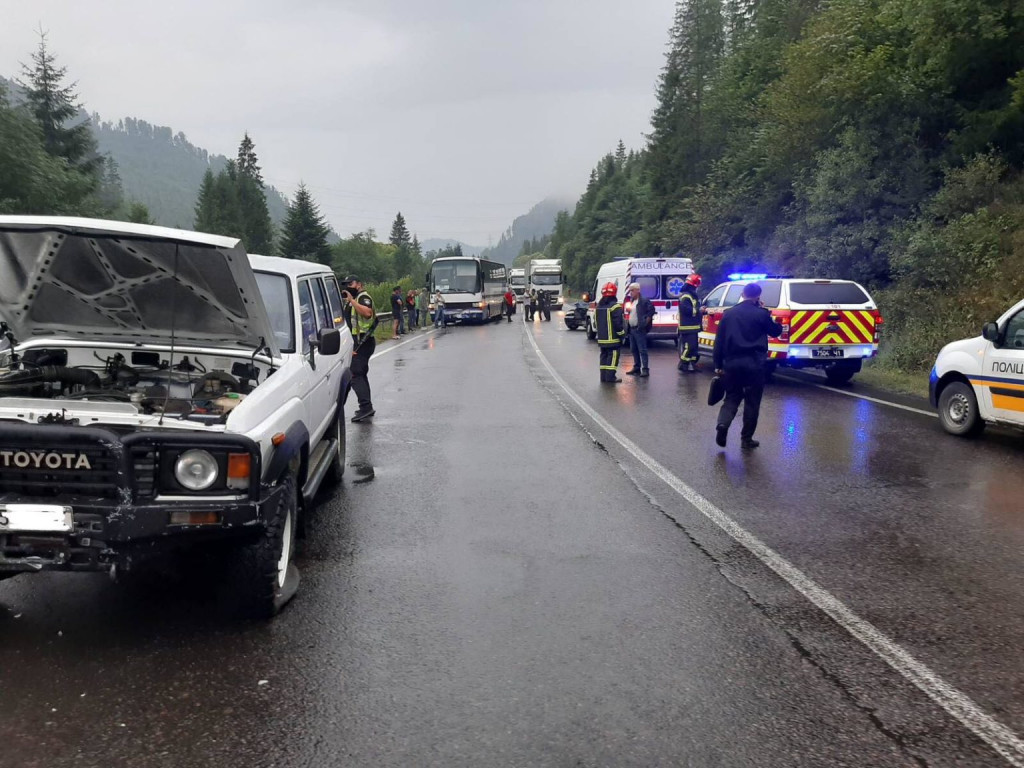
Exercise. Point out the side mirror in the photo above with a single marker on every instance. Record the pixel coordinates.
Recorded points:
(330, 341)
(990, 332)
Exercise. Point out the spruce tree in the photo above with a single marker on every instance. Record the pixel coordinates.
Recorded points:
(399, 232)
(304, 235)
(248, 163)
(257, 229)
(204, 214)
(54, 105)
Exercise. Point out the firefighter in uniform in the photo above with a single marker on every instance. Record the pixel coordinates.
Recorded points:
(611, 329)
(362, 320)
(689, 325)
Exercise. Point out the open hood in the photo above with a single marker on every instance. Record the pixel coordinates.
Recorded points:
(113, 281)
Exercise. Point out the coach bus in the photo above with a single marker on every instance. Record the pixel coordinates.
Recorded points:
(473, 288)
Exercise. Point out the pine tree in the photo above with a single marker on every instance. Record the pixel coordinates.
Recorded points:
(257, 229)
(399, 232)
(248, 163)
(54, 106)
(111, 191)
(204, 220)
(304, 235)
(620, 154)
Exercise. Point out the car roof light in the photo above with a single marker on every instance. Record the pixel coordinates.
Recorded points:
(748, 276)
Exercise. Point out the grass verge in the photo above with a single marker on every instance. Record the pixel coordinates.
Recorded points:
(903, 382)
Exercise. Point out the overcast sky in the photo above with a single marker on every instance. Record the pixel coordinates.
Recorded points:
(460, 113)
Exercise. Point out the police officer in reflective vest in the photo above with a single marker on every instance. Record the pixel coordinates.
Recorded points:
(362, 321)
(689, 325)
(611, 329)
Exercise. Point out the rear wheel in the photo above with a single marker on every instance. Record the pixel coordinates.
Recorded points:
(958, 410)
(840, 373)
(263, 578)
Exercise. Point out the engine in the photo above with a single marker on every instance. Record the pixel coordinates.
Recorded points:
(184, 389)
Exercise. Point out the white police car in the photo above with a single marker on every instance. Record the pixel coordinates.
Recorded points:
(981, 380)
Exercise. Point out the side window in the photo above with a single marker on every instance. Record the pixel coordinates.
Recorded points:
(324, 318)
(1014, 334)
(733, 295)
(306, 315)
(715, 297)
(334, 297)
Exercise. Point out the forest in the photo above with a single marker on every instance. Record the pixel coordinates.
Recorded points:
(876, 140)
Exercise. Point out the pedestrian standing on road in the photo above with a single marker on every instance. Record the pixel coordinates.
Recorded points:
(438, 309)
(689, 325)
(422, 307)
(741, 347)
(510, 304)
(641, 318)
(361, 317)
(397, 311)
(545, 305)
(531, 307)
(611, 329)
(410, 307)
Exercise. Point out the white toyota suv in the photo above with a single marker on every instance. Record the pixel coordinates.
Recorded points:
(161, 390)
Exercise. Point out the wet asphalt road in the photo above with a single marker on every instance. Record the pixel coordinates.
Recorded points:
(502, 583)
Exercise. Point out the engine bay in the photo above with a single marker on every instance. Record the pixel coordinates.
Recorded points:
(198, 387)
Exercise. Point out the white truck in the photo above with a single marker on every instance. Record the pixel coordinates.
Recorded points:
(517, 281)
(546, 275)
(162, 391)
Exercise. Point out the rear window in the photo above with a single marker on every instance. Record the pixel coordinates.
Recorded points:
(648, 286)
(672, 286)
(827, 293)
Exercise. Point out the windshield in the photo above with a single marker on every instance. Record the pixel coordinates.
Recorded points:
(827, 293)
(456, 276)
(278, 300)
(547, 279)
(517, 280)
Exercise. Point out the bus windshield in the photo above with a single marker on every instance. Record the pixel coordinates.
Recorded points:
(456, 276)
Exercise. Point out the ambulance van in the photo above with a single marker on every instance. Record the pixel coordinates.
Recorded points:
(661, 280)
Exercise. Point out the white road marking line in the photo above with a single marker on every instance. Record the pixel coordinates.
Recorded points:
(959, 705)
(862, 397)
(393, 347)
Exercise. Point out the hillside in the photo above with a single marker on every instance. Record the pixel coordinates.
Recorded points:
(536, 223)
(436, 244)
(163, 169)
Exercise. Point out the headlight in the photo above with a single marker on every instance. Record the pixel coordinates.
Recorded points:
(196, 470)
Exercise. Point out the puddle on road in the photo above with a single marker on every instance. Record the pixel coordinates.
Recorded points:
(399, 362)
(363, 473)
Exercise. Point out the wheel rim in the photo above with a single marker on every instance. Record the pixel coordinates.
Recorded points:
(958, 409)
(286, 550)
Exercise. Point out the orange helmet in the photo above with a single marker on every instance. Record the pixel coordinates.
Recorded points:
(610, 289)
(693, 279)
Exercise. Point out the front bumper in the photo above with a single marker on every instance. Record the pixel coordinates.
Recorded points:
(128, 535)
(119, 510)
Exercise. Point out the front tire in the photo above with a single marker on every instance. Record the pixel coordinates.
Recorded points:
(263, 577)
(958, 410)
(591, 333)
(336, 471)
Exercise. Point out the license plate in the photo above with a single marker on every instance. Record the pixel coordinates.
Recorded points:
(827, 352)
(35, 518)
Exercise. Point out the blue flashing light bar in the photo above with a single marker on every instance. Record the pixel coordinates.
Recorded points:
(747, 276)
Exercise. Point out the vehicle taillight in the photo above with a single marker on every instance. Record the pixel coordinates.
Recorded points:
(878, 321)
(782, 316)
(627, 307)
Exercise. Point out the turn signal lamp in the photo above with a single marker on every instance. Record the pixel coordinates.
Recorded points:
(195, 518)
(239, 470)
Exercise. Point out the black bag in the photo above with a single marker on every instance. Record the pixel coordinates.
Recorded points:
(716, 392)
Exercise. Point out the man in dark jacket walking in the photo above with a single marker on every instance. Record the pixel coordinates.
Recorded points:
(641, 318)
(610, 331)
(741, 347)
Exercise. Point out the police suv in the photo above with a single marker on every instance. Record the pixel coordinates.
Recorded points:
(160, 390)
(981, 380)
(827, 324)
